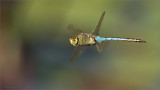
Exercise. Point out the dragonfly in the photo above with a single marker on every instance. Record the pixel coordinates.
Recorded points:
(82, 40)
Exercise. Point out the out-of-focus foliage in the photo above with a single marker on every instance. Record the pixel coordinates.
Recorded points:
(38, 30)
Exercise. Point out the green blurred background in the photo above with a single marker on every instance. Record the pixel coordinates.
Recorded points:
(35, 49)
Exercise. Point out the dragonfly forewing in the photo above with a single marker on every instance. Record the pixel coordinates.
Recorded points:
(78, 51)
(73, 30)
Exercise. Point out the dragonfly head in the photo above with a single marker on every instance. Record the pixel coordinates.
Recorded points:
(74, 40)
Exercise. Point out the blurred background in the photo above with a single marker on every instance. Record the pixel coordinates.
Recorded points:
(35, 50)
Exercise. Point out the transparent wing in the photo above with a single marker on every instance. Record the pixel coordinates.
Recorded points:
(77, 52)
(102, 45)
(96, 29)
(73, 30)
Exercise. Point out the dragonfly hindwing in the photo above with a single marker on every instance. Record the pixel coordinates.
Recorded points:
(96, 29)
(101, 45)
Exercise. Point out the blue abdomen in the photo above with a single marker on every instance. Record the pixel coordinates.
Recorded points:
(100, 39)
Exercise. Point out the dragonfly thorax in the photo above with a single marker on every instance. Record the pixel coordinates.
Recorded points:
(85, 39)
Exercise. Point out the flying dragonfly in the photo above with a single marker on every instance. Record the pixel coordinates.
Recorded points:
(82, 40)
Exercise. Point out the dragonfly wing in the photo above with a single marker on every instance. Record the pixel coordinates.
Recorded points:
(73, 30)
(77, 52)
(102, 45)
(96, 29)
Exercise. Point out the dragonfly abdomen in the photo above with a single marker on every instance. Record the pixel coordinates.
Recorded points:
(100, 39)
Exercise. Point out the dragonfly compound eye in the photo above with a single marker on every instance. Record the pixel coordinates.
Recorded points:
(74, 40)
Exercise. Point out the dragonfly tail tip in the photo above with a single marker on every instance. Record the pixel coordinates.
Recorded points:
(141, 41)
